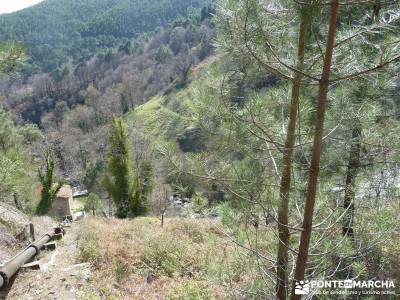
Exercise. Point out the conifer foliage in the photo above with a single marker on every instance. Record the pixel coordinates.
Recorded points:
(49, 187)
(121, 182)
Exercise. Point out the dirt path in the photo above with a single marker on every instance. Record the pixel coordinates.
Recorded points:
(61, 276)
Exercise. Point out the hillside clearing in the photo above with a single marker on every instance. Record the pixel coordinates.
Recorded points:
(186, 259)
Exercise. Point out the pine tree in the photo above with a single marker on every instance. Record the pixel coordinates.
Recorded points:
(121, 182)
(253, 33)
(12, 56)
(163, 54)
(49, 187)
(93, 203)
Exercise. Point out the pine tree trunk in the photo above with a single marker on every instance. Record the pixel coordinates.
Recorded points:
(352, 170)
(282, 259)
(316, 153)
(349, 198)
(16, 202)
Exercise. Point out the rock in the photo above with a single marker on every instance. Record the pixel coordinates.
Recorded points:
(192, 140)
(13, 230)
(178, 202)
(197, 216)
(150, 277)
(337, 189)
(214, 214)
(115, 285)
(13, 221)
(190, 272)
(79, 216)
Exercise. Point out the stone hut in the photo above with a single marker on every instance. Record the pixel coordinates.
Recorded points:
(62, 205)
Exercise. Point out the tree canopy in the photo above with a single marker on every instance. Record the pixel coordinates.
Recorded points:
(78, 29)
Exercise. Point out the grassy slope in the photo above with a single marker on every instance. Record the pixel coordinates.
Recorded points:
(156, 118)
(186, 259)
(164, 117)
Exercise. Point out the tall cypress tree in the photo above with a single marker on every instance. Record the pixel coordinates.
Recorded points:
(121, 181)
(49, 187)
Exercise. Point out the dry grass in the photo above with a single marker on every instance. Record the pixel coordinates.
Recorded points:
(137, 259)
(193, 259)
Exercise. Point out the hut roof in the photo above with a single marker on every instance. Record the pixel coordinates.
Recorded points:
(65, 192)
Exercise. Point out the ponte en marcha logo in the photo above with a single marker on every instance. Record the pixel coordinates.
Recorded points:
(344, 287)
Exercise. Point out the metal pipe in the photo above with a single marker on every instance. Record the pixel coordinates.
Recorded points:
(14, 264)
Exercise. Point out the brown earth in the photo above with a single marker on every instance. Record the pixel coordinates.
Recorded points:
(61, 276)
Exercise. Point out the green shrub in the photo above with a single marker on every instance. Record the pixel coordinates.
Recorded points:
(121, 272)
(195, 234)
(93, 203)
(191, 290)
(90, 295)
(166, 256)
(200, 202)
(192, 140)
(50, 187)
(89, 249)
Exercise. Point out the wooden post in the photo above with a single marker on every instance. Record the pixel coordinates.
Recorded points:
(31, 232)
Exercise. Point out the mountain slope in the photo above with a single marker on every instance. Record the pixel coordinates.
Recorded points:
(129, 18)
(57, 29)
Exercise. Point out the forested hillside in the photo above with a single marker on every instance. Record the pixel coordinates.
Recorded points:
(55, 31)
(73, 105)
(17, 164)
(242, 150)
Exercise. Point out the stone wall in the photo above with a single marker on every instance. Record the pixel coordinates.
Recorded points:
(61, 207)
